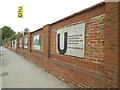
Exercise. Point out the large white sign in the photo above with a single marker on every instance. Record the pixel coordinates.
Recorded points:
(70, 40)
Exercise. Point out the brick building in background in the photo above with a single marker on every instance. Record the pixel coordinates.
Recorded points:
(99, 67)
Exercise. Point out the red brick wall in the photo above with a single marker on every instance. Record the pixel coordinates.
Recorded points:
(100, 67)
(9, 45)
(94, 39)
(25, 51)
(119, 44)
(14, 47)
(20, 48)
(36, 55)
(112, 47)
(87, 72)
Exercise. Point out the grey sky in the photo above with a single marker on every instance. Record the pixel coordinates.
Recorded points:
(38, 13)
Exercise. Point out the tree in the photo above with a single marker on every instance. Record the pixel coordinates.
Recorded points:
(7, 32)
(26, 31)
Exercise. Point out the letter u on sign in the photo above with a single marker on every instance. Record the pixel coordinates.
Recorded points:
(65, 43)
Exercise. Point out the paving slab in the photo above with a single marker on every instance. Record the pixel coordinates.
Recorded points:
(19, 72)
(0, 68)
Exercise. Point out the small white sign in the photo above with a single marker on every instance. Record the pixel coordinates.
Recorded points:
(12, 43)
(70, 40)
(15, 43)
(20, 43)
(37, 42)
(26, 43)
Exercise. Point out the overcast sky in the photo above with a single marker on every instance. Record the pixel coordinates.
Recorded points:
(37, 13)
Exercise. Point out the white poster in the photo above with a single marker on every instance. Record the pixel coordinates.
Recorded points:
(20, 43)
(70, 40)
(37, 42)
(15, 43)
(26, 43)
(12, 43)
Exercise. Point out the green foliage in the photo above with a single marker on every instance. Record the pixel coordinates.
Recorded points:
(10, 38)
(20, 34)
(14, 36)
(7, 32)
(37, 44)
(6, 39)
(26, 31)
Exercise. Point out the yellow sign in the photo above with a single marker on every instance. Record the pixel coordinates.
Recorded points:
(20, 12)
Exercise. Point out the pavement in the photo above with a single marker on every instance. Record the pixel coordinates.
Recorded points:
(0, 68)
(19, 72)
